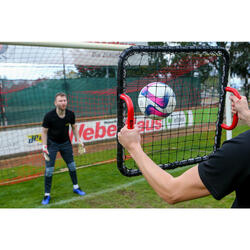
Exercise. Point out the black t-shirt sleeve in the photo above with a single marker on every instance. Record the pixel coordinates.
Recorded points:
(228, 167)
(72, 118)
(46, 121)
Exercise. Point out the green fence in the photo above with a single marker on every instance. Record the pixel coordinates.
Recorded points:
(87, 97)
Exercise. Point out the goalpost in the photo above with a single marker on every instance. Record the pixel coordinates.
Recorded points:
(74, 45)
(30, 76)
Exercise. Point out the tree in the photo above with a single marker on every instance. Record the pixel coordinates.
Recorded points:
(96, 71)
(158, 59)
(240, 62)
(239, 58)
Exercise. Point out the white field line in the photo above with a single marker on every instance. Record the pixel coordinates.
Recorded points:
(108, 190)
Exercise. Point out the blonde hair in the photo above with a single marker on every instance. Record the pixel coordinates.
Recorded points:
(60, 94)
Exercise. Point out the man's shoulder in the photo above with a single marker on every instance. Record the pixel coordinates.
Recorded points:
(70, 112)
(70, 116)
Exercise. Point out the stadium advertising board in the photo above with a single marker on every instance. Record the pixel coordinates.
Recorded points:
(29, 139)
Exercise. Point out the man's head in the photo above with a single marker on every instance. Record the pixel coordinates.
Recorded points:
(61, 101)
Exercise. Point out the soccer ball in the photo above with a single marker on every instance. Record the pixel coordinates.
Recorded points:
(157, 100)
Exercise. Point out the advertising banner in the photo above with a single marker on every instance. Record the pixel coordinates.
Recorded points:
(16, 141)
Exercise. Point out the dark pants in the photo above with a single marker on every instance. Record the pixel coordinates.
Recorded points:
(66, 152)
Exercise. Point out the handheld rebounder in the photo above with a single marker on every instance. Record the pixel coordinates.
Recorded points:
(176, 96)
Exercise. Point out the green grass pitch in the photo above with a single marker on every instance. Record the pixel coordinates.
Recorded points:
(105, 187)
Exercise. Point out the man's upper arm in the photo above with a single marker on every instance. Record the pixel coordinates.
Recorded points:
(45, 130)
(189, 186)
(46, 122)
(73, 119)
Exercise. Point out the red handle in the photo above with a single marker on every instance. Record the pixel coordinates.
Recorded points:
(130, 107)
(235, 117)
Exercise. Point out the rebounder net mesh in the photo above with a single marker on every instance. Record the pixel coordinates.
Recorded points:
(197, 77)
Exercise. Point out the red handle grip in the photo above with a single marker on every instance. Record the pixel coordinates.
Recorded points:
(130, 107)
(235, 117)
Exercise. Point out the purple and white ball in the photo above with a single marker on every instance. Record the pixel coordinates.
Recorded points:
(157, 100)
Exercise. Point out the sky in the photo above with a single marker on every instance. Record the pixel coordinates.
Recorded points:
(25, 62)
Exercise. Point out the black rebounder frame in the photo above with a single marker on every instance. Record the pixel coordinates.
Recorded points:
(121, 106)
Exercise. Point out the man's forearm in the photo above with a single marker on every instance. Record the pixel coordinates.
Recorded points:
(247, 117)
(44, 138)
(75, 133)
(172, 189)
(161, 181)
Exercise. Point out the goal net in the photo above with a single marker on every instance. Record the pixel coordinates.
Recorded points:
(30, 76)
